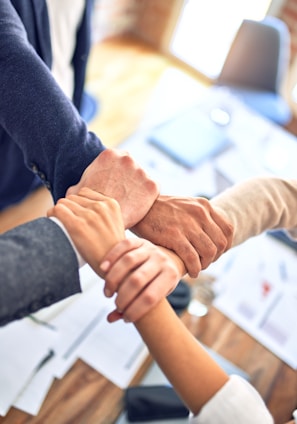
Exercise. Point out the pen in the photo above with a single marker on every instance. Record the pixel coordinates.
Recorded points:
(44, 360)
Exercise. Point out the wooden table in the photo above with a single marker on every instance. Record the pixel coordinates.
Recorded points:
(84, 396)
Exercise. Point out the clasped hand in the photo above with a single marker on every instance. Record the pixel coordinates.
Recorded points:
(190, 227)
(140, 273)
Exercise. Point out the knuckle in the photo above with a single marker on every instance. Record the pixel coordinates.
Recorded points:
(136, 280)
(230, 230)
(222, 245)
(129, 262)
(149, 298)
(90, 217)
(129, 243)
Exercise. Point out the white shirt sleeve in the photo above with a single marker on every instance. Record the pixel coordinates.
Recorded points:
(236, 402)
(80, 260)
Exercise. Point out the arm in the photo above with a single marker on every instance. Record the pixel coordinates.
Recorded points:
(257, 205)
(62, 141)
(194, 375)
(143, 271)
(276, 200)
(197, 378)
(249, 208)
(62, 147)
(115, 174)
(34, 273)
(36, 114)
(94, 223)
(190, 227)
(201, 383)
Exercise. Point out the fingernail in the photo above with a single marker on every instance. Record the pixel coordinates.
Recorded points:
(105, 266)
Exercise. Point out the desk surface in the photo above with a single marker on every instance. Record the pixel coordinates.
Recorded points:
(83, 395)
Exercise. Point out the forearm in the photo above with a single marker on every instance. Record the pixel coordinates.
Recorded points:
(257, 205)
(192, 372)
(33, 272)
(36, 114)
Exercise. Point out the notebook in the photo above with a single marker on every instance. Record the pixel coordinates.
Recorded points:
(189, 138)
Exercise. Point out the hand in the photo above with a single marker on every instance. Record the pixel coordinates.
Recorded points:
(141, 274)
(115, 174)
(188, 226)
(94, 223)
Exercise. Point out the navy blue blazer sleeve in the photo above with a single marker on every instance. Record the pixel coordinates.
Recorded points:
(37, 115)
(38, 267)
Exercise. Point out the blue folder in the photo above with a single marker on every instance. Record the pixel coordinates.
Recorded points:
(190, 138)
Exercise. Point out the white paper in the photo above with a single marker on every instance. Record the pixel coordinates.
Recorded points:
(23, 346)
(79, 330)
(34, 394)
(115, 350)
(259, 293)
(76, 322)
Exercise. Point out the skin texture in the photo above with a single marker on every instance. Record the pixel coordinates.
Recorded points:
(167, 338)
(115, 174)
(142, 274)
(154, 275)
(171, 343)
(188, 226)
(90, 218)
(95, 225)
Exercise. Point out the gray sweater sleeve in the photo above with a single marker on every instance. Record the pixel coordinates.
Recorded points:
(38, 267)
(259, 204)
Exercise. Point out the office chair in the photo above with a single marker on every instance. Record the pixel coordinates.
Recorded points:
(256, 65)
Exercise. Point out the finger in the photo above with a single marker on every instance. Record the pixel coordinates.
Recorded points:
(134, 284)
(188, 254)
(149, 298)
(65, 215)
(148, 285)
(205, 247)
(119, 250)
(211, 241)
(92, 194)
(121, 270)
(217, 232)
(77, 205)
(114, 316)
(225, 227)
(85, 201)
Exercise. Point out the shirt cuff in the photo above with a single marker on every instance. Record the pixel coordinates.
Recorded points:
(80, 259)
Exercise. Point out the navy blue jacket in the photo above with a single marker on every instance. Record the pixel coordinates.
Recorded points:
(43, 140)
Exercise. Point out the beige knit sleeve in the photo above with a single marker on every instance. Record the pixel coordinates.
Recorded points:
(259, 204)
